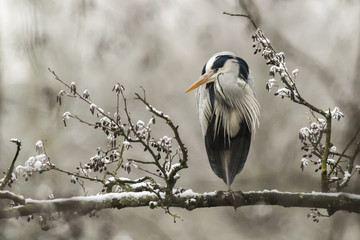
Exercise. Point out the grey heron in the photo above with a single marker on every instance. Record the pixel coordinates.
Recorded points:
(228, 113)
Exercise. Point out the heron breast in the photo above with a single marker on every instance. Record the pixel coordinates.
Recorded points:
(228, 119)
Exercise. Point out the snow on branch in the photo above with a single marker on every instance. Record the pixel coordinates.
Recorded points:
(184, 199)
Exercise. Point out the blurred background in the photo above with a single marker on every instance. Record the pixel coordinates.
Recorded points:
(162, 46)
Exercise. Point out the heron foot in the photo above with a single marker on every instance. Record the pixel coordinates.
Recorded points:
(235, 198)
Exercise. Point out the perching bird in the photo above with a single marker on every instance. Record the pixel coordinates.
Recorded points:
(228, 113)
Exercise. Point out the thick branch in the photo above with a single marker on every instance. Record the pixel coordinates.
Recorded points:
(12, 196)
(188, 200)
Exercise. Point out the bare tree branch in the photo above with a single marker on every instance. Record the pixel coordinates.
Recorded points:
(187, 200)
(242, 15)
(12, 196)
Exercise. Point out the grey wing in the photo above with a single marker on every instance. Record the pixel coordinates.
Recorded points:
(205, 108)
(239, 148)
(227, 158)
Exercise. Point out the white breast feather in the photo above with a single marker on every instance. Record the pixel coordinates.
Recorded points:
(234, 101)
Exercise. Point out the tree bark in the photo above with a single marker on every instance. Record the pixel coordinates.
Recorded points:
(188, 199)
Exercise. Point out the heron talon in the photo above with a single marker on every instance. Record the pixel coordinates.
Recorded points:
(235, 198)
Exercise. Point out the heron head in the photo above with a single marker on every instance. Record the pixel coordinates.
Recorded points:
(214, 66)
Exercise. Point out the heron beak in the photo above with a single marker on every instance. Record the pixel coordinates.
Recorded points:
(202, 80)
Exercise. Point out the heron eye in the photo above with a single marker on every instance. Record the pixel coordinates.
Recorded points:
(215, 70)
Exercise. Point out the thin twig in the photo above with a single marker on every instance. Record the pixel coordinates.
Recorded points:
(242, 15)
(346, 180)
(346, 148)
(84, 99)
(140, 161)
(352, 159)
(170, 181)
(168, 122)
(10, 171)
(74, 174)
(139, 139)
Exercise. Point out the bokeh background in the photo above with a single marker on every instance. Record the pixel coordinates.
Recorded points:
(162, 46)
